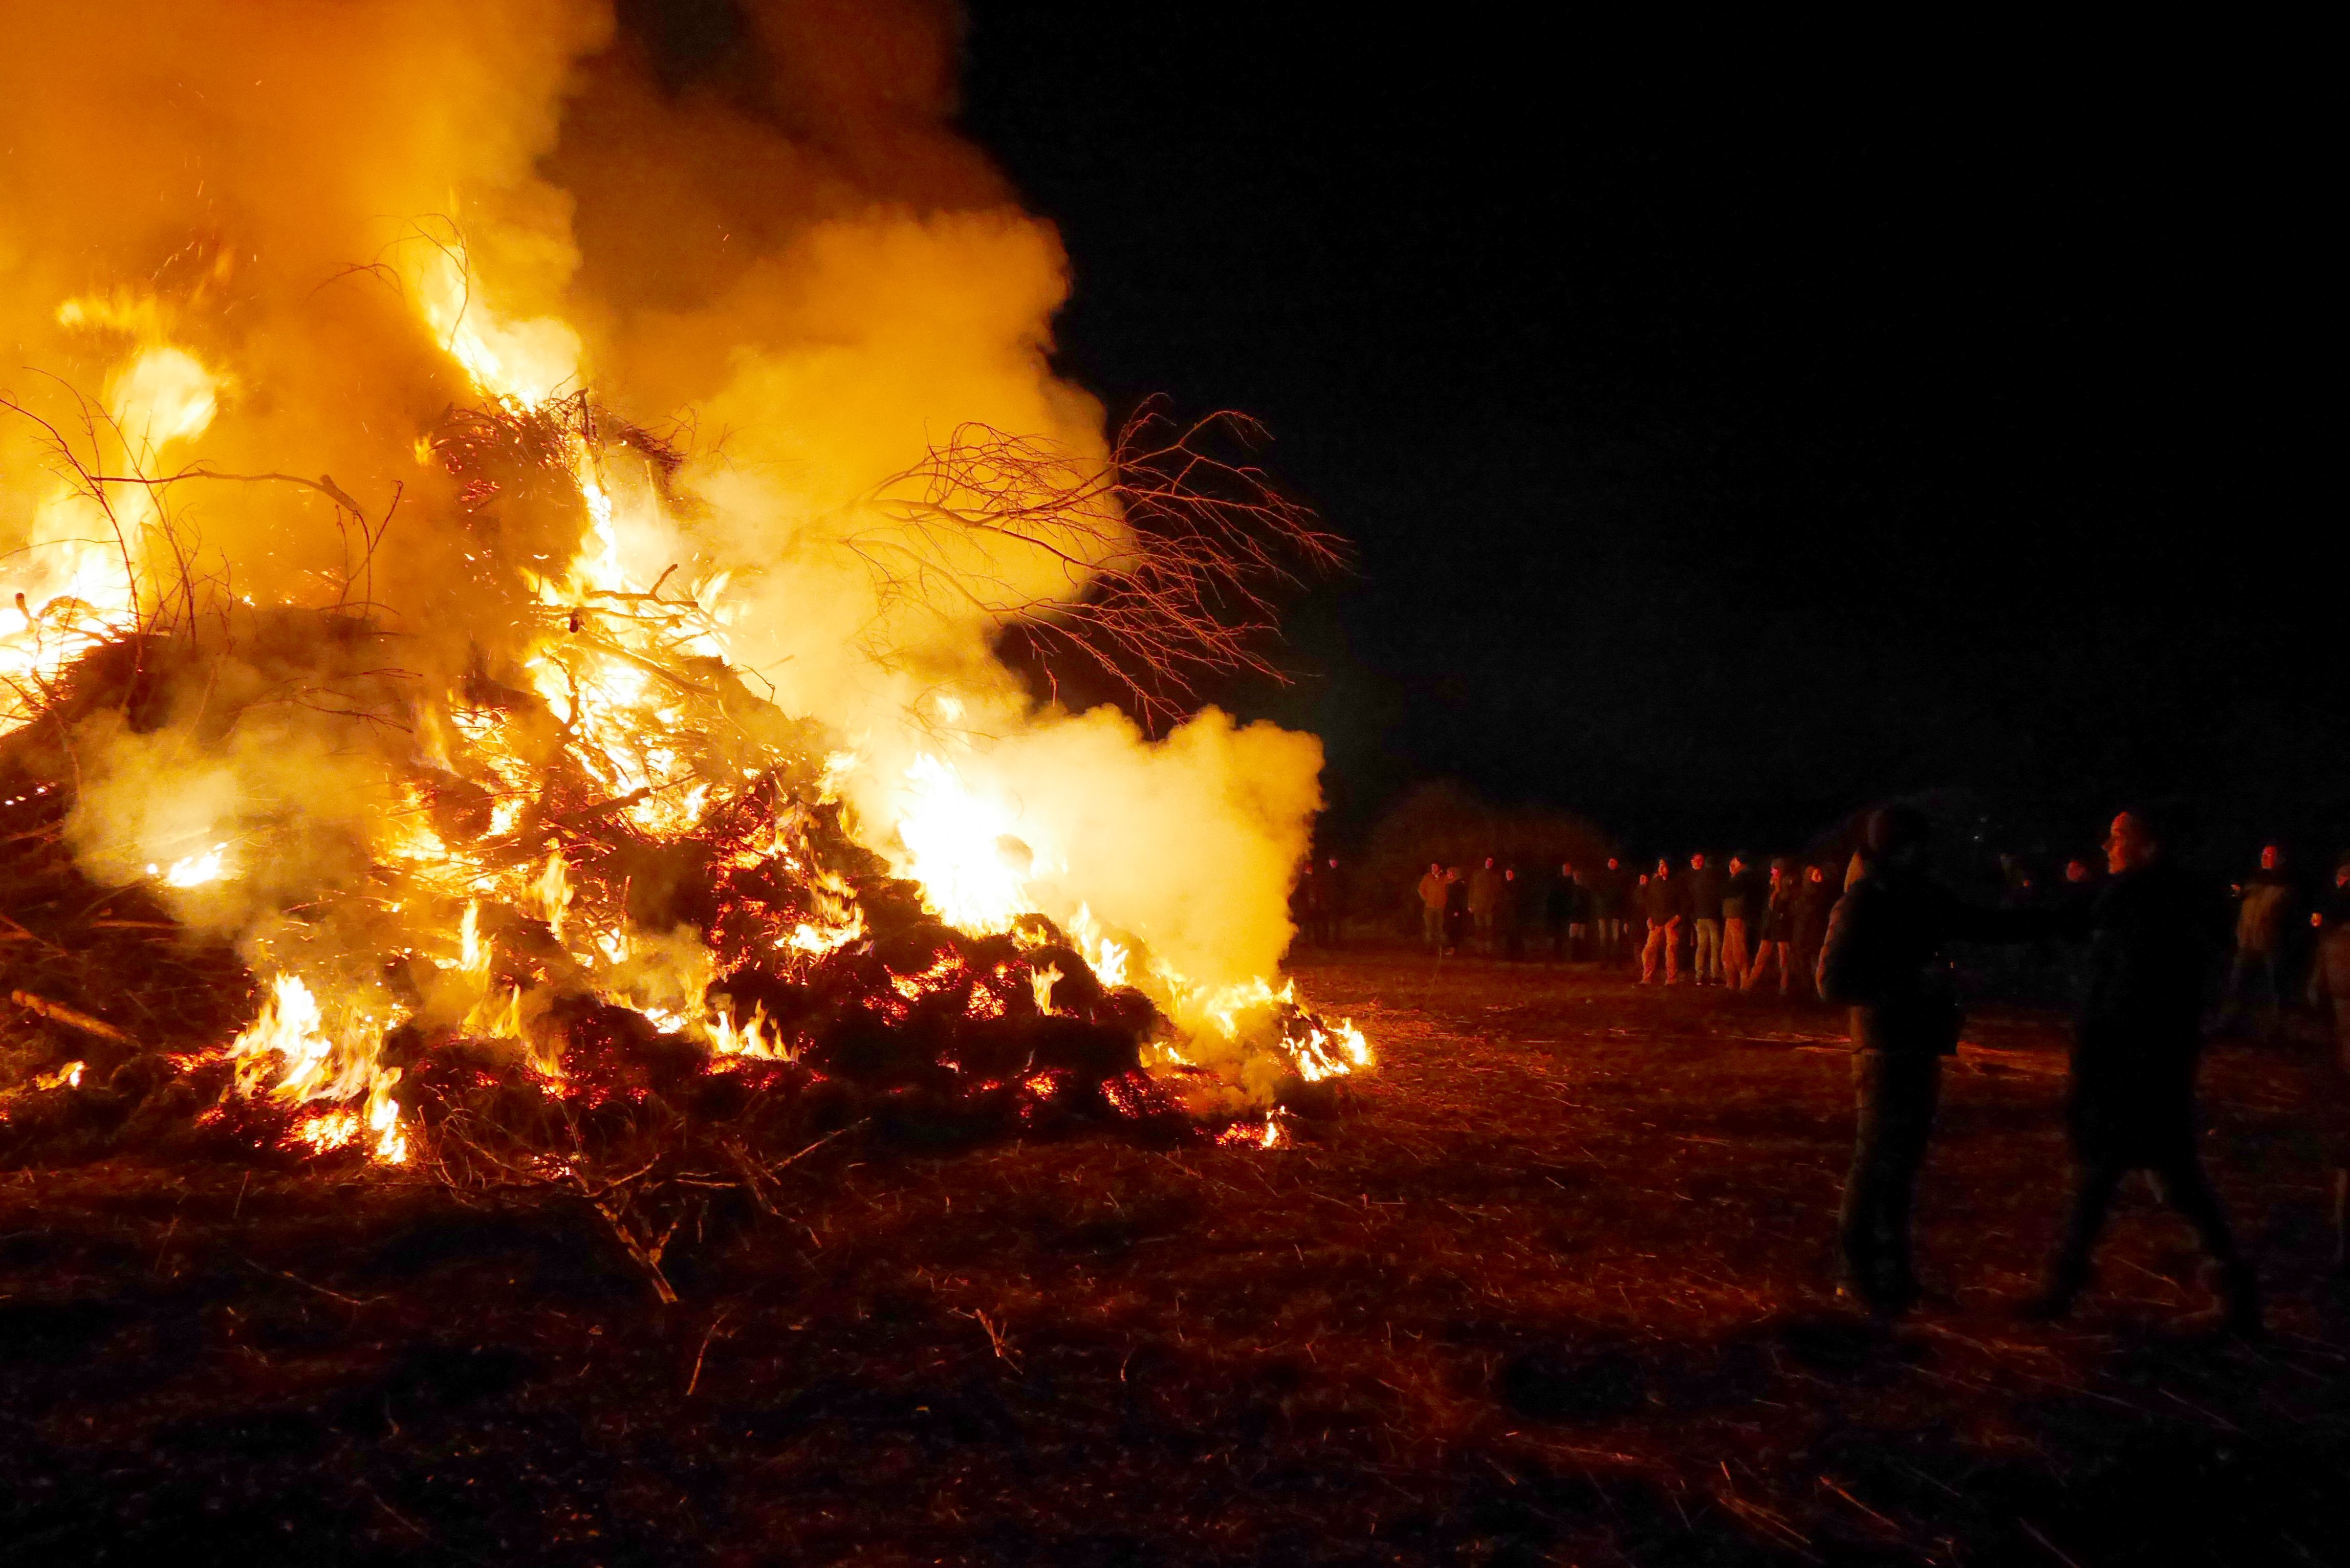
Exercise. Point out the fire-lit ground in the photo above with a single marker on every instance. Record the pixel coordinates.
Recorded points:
(1555, 1289)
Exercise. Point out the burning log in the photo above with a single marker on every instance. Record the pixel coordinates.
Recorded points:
(584, 964)
(71, 1017)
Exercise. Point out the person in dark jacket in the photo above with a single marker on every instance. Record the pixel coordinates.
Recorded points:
(1433, 889)
(1808, 921)
(1485, 902)
(1509, 913)
(1456, 909)
(1578, 910)
(2329, 980)
(1560, 911)
(1330, 923)
(1306, 904)
(2155, 933)
(1742, 913)
(1607, 908)
(1704, 893)
(1882, 960)
(2264, 920)
(1662, 903)
(1777, 927)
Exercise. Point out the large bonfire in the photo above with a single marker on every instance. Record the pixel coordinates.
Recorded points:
(519, 686)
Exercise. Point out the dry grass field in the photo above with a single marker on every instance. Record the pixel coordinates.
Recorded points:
(1554, 1287)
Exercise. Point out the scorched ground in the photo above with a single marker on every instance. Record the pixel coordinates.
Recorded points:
(1551, 1289)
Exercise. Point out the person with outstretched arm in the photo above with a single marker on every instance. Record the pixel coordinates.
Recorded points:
(2156, 932)
(1882, 960)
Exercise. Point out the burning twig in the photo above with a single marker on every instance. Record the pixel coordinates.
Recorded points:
(695, 1379)
(71, 1017)
(996, 1337)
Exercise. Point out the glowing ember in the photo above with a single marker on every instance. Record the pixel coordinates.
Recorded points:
(196, 870)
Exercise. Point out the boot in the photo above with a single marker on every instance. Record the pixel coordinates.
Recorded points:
(2236, 1311)
(2052, 1303)
(2342, 1224)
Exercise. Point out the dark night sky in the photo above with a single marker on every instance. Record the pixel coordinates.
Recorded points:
(1730, 441)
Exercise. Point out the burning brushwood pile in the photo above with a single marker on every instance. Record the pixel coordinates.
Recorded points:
(608, 891)
(407, 756)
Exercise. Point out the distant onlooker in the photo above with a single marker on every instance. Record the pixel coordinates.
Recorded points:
(2329, 980)
(1636, 924)
(1742, 901)
(1808, 922)
(1484, 899)
(2015, 888)
(1578, 910)
(1607, 907)
(1331, 922)
(2264, 914)
(1778, 926)
(1663, 904)
(1705, 912)
(1456, 909)
(1433, 888)
(1559, 912)
(1509, 915)
(1306, 904)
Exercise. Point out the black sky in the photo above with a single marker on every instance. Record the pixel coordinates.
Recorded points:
(1734, 429)
(1739, 435)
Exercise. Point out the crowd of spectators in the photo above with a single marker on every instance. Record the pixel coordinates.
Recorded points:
(1878, 935)
(1740, 924)
(1747, 923)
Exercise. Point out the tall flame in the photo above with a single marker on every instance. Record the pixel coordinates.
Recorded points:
(350, 322)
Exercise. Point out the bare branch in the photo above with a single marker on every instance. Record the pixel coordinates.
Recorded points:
(1168, 559)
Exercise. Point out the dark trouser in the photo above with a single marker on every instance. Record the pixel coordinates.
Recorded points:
(2136, 1117)
(2250, 962)
(2183, 1186)
(2334, 1103)
(1895, 1095)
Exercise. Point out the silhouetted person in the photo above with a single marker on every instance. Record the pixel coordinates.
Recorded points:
(1705, 912)
(2017, 971)
(1456, 909)
(1431, 908)
(1608, 895)
(1777, 927)
(1636, 902)
(1809, 923)
(1559, 912)
(1484, 898)
(1331, 923)
(1882, 960)
(2153, 932)
(1509, 915)
(2329, 981)
(1306, 904)
(2076, 894)
(2264, 915)
(1661, 904)
(1578, 912)
(1742, 907)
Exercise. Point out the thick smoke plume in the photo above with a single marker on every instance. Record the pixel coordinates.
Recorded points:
(272, 251)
